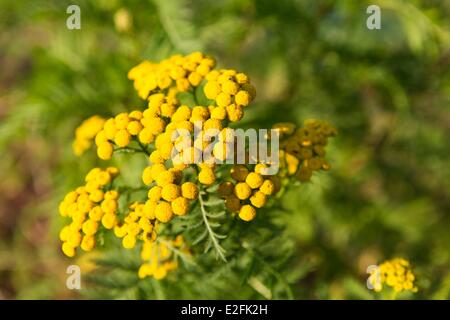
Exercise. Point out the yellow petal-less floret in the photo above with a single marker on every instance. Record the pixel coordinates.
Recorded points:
(147, 176)
(129, 241)
(122, 138)
(165, 178)
(146, 136)
(163, 212)
(223, 99)
(105, 151)
(109, 220)
(180, 206)
(267, 187)
(247, 212)
(189, 190)
(211, 89)
(242, 98)
(206, 176)
(88, 243)
(170, 192)
(254, 180)
(68, 250)
(242, 190)
(258, 199)
(154, 194)
(134, 127)
(230, 87)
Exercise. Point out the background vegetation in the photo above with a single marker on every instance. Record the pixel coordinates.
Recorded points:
(387, 91)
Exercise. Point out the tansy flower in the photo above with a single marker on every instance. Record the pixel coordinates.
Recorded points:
(86, 206)
(397, 274)
(242, 190)
(85, 134)
(163, 212)
(189, 190)
(247, 212)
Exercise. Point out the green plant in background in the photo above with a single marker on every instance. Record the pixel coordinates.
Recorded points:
(385, 90)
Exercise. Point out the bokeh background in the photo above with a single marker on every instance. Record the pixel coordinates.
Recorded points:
(387, 91)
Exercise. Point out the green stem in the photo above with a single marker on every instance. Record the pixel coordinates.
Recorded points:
(144, 149)
(212, 235)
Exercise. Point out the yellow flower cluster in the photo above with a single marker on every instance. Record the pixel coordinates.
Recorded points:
(85, 134)
(89, 206)
(249, 190)
(303, 149)
(159, 257)
(397, 274)
(169, 196)
(159, 83)
(180, 72)
(172, 153)
(231, 91)
(139, 223)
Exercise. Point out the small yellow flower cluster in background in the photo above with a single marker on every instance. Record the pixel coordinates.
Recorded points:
(180, 72)
(89, 206)
(159, 257)
(249, 190)
(303, 149)
(231, 91)
(85, 134)
(139, 223)
(397, 274)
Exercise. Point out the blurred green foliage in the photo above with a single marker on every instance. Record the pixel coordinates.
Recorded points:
(387, 91)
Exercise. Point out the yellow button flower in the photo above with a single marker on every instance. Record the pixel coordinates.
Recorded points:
(163, 212)
(247, 212)
(134, 127)
(170, 192)
(211, 89)
(223, 99)
(180, 206)
(206, 176)
(105, 150)
(88, 243)
(109, 220)
(242, 98)
(258, 199)
(165, 178)
(68, 250)
(254, 180)
(189, 190)
(146, 136)
(242, 190)
(129, 241)
(147, 176)
(267, 187)
(122, 138)
(90, 227)
(154, 194)
(230, 87)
